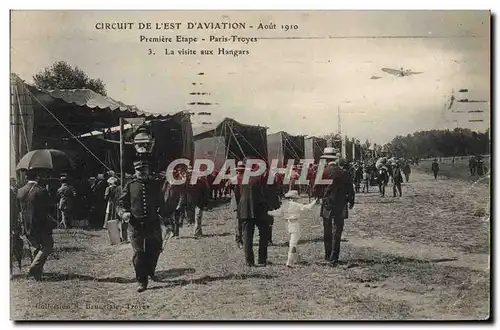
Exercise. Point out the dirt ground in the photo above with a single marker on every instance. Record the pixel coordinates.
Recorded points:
(422, 256)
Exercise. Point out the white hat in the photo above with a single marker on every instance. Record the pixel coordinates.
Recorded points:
(330, 153)
(112, 180)
(292, 194)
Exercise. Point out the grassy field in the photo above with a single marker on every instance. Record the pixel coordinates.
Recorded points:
(422, 256)
(458, 170)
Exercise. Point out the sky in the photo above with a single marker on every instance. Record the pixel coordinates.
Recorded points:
(295, 81)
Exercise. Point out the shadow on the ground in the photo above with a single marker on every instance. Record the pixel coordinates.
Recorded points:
(67, 249)
(174, 272)
(213, 203)
(58, 277)
(206, 236)
(382, 200)
(311, 240)
(217, 235)
(391, 260)
(208, 279)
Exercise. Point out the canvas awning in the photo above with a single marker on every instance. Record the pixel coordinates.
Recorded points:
(51, 119)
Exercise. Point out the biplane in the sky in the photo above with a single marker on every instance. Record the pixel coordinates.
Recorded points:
(400, 73)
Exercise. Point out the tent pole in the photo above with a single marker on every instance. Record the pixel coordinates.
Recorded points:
(17, 153)
(122, 152)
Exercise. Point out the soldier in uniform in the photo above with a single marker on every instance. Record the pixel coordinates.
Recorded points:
(141, 204)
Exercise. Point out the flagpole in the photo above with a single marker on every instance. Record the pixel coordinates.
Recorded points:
(122, 152)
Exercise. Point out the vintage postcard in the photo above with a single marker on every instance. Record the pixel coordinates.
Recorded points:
(250, 165)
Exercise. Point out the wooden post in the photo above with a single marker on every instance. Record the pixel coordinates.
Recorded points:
(122, 155)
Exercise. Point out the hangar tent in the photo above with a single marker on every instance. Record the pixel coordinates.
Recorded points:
(56, 119)
(313, 148)
(173, 137)
(283, 146)
(229, 139)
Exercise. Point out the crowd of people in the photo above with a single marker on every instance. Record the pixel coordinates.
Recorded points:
(146, 202)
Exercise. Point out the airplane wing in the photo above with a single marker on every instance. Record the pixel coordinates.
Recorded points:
(375, 77)
(392, 71)
(411, 72)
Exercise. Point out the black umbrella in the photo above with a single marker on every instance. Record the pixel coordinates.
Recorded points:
(46, 159)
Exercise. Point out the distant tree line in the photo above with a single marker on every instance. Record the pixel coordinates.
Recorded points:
(441, 143)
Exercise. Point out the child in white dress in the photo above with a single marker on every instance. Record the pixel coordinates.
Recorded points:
(292, 211)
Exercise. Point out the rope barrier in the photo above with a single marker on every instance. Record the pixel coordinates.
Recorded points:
(291, 143)
(239, 146)
(248, 142)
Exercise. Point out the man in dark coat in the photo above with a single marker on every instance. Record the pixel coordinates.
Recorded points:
(141, 203)
(255, 198)
(481, 169)
(397, 179)
(435, 168)
(407, 170)
(196, 199)
(472, 165)
(358, 176)
(334, 197)
(99, 189)
(67, 195)
(16, 242)
(382, 179)
(238, 224)
(174, 196)
(35, 205)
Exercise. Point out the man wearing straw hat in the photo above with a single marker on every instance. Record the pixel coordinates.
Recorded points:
(140, 204)
(335, 197)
